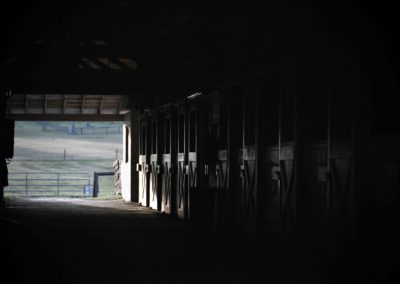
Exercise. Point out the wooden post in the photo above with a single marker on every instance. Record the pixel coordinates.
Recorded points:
(95, 184)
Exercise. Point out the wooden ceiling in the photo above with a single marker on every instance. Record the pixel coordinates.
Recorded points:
(108, 47)
(157, 51)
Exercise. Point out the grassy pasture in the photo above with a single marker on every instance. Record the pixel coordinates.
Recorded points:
(48, 151)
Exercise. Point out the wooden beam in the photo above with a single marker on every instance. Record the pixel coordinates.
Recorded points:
(26, 103)
(64, 103)
(45, 104)
(65, 117)
(83, 103)
(101, 105)
(120, 104)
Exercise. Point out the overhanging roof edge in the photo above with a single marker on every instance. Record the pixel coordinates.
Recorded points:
(65, 117)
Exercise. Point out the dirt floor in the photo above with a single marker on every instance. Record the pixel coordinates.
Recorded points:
(87, 241)
(81, 241)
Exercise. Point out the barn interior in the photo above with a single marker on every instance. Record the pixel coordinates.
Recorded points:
(273, 126)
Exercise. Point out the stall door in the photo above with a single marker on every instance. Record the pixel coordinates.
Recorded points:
(248, 169)
(340, 197)
(287, 187)
(235, 163)
(154, 170)
(181, 160)
(224, 196)
(341, 190)
(316, 159)
(143, 165)
(279, 187)
(192, 167)
(328, 161)
(316, 188)
(167, 169)
(197, 138)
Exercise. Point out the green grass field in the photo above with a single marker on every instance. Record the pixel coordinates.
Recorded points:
(39, 150)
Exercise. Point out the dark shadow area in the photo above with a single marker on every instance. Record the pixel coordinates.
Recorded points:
(67, 242)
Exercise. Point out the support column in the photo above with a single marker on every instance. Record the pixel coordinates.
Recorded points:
(3, 166)
(134, 155)
(129, 176)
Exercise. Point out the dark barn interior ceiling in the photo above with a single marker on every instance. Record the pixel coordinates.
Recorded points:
(162, 51)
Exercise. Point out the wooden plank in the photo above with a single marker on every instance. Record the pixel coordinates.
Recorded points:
(120, 104)
(83, 103)
(101, 104)
(64, 103)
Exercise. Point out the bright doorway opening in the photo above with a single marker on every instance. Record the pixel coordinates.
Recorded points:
(62, 158)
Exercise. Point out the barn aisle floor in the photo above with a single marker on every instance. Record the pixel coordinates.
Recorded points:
(89, 241)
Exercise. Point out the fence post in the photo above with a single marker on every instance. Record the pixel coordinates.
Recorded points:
(58, 185)
(89, 183)
(95, 184)
(26, 184)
